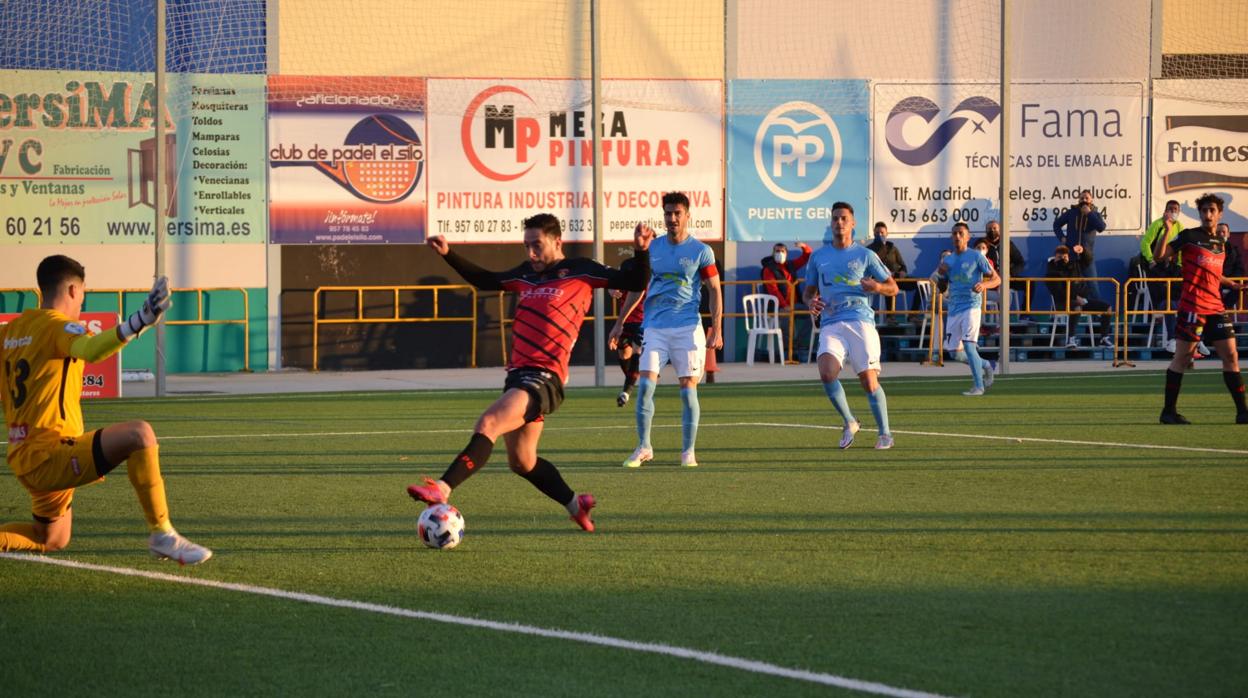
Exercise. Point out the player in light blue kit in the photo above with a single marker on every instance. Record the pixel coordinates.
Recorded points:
(672, 328)
(969, 274)
(839, 278)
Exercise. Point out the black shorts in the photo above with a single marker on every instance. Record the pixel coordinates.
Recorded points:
(544, 388)
(632, 334)
(1208, 328)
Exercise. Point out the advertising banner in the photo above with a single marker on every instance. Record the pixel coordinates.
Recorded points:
(794, 148)
(1200, 147)
(77, 158)
(504, 150)
(937, 150)
(99, 380)
(347, 160)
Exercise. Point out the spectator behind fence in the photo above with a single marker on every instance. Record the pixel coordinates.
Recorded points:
(1081, 223)
(1062, 266)
(778, 268)
(1232, 268)
(1168, 225)
(992, 236)
(891, 257)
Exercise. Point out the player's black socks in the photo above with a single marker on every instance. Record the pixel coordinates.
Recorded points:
(546, 478)
(1235, 383)
(1174, 382)
(469, 460)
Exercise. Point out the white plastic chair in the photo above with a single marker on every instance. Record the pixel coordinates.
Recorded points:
(1064, 321)
(924, 288)
(762, 320)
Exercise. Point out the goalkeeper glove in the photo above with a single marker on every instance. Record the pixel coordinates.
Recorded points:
(156, 303)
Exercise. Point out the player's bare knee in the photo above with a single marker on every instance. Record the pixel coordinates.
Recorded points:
(143, 436)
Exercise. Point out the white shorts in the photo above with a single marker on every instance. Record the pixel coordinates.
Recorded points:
(685, 347)
(962, 327)
(854, 339)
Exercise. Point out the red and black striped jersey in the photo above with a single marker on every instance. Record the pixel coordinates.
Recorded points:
(552, 303)
(1203, 257)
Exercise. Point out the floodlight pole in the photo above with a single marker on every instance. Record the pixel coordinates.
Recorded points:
(159, 157)
(1003, 291)
(595, 52)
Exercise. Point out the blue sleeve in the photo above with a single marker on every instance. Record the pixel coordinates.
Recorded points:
(1098, 223)
(984, 265)
(707, 258)
(876, 268)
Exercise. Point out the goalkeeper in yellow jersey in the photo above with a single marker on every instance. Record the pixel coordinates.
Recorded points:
(43, 353)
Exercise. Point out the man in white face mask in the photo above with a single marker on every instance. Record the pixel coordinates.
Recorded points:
(780, 272)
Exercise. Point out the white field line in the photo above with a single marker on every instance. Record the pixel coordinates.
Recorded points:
(586, 638)
(604, 427)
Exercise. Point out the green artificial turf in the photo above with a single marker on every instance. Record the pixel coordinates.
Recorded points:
(1054, 557)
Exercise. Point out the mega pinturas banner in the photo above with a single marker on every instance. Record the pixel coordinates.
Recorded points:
(78, 158)
(936, 154)
(503, 150)
(1199, 147)
(346, 159)
(794, 148)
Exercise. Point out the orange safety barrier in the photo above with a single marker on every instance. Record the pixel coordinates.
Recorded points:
(394, 317)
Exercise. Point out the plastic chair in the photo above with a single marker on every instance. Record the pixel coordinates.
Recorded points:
(762, 320)
(924, 288)
(1064, 321)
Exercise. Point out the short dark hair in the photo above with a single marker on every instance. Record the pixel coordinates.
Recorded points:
(55, 270)
(780, 245)
(1210, 198)
(1061, 249)
(960, 224)
(1172, 202)
(878, 225)
(842, 204)
(676, 197)
(545, 222)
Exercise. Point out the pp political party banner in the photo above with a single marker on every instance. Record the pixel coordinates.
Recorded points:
(1199, 147)
(936, 154)
(101, 379)
(503, 150)
(347, 159)
(78, 156)
(794, 148)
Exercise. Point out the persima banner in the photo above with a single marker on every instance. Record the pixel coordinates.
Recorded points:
(505, 150)
(77, 158)
(794, 148)
(347, 159)
(1199, 147)
(936, 154)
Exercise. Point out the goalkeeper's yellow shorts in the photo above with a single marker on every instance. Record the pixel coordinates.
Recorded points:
(51, 483)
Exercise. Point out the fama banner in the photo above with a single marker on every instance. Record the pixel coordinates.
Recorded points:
(937, 154)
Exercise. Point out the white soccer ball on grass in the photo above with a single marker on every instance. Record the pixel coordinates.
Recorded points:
(441, 527)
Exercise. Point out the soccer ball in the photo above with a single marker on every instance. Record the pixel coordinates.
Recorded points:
(441, 527)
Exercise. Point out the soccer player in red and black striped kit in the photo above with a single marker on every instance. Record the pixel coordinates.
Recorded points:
(555, 293)
(1201, 313)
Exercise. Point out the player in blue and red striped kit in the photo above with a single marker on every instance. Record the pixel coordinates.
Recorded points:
(555, 294)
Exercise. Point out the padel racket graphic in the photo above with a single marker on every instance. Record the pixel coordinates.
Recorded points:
(376, 181)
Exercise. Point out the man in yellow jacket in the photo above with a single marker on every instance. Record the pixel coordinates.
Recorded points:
(1169, 226)
(42, 356)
